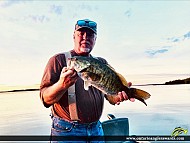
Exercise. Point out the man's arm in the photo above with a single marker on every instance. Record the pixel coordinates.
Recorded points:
(53, 93)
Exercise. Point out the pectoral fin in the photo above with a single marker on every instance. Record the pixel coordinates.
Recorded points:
(113, 99)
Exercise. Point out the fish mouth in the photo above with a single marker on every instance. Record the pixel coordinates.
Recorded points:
(75, 66)
(82, 70)
(72, 59)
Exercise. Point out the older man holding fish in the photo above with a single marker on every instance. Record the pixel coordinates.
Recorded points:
(75, 110)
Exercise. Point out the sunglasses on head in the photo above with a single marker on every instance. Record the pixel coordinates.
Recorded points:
(91, 24)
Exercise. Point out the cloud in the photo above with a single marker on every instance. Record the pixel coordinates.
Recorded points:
(128, 13)
(187, 35)
(73, 9)
(81, 9)
(8, 3)
(22, 11)
(86, 7)
(57, 9)
(172, 43)
(174, 39)
(31, 18)
(179, 38)
(37, 18)
(155, 52)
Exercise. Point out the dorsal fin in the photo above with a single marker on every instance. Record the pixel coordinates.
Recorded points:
(123, 80)
(111, 67)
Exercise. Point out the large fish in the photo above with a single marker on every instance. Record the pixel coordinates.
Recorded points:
(105, 78)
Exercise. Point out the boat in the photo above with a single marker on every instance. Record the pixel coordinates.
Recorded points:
(116, 130)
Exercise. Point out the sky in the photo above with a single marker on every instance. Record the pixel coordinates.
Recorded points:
(135, 37)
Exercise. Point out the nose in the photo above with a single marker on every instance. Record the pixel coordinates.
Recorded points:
(85, 36)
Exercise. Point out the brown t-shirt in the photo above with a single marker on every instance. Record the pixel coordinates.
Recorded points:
(89, 103)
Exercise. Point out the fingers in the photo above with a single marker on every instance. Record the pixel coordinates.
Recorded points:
(64, 69)
(68, 76)
(118, 103)
(68, 72)
(71, 73)
(122, 96)
(129, 84)
(132, 99)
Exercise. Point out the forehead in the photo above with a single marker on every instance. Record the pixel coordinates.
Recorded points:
(85, 30)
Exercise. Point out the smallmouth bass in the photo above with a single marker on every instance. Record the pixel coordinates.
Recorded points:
(105, 78)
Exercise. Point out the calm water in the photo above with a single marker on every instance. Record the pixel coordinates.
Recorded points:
(22, 113)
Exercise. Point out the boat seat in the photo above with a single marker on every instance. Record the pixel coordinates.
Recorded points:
(115, 127)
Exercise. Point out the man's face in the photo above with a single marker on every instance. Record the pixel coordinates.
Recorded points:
(84, 40)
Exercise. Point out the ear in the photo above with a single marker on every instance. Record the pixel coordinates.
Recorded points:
(73, 36)
(95, 37)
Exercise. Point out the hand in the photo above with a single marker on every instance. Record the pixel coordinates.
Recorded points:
(123, 96)
(68, 77)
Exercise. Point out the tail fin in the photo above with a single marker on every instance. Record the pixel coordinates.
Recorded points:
(138, 94)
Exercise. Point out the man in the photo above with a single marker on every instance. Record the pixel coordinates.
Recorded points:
(58, 78)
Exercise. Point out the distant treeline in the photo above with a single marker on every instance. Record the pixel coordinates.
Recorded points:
(179, 81)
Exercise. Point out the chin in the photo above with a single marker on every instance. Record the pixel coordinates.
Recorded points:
(85, 50)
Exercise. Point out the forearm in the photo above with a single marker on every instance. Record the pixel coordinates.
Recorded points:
(52, 94)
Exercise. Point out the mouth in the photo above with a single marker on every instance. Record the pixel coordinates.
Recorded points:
(85, 42)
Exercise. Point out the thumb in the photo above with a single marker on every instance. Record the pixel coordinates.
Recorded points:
(64, 69)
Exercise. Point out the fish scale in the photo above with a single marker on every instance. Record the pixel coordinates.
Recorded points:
(107, 82)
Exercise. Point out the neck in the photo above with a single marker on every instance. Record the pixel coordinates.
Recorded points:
(82, 54)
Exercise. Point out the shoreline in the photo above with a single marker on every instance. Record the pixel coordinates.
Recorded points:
(20, 90)
(36, 89)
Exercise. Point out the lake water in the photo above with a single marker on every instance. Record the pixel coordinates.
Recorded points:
(22, 113)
